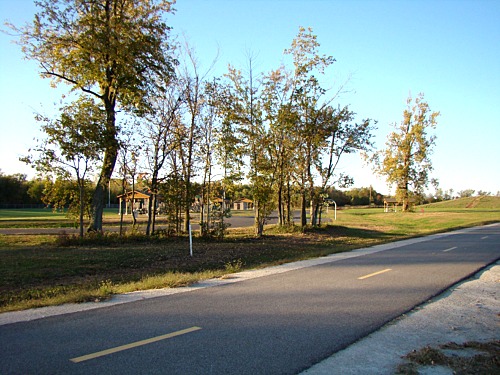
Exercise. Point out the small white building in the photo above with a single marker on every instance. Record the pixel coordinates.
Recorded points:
(243, 204)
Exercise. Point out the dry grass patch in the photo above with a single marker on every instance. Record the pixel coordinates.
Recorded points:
(471, 358)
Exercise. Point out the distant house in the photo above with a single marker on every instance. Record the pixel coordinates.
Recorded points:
(134, 201)
(243, 204)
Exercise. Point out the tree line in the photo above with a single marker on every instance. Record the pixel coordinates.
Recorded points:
(17, 190)
(144, 109)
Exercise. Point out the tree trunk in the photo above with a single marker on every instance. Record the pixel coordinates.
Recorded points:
(82, 206)
(123, 205)
(313, 214)
(303, 211)
(178, 212)
(187, 206)
(153, 221)
(206, 200)
(152, 204)
(259, 228)
(187, 219)
(150, 228)
(205, 193)
(108, 164)
(289, 214)
(404, 196)
(150, 216)
(281, 206)
(405, 202)
(134, 218)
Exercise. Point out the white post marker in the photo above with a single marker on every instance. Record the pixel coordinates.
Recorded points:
(190, 241)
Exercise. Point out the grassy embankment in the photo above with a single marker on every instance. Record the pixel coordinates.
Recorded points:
(35, 270)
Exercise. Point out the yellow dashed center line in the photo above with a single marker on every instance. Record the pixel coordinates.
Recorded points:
(374, 274)
(134, 345)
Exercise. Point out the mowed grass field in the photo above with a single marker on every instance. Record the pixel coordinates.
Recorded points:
(41, 270)
(426, 219)
(44, 218)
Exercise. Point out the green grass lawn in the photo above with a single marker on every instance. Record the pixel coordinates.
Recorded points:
(44, 214)
(38, 271)
(31, 214)
(422, 221)
(45, 218)
(33, 218)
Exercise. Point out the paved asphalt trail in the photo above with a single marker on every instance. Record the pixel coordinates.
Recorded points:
(277, 324)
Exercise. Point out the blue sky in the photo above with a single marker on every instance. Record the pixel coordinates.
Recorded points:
(385, 50)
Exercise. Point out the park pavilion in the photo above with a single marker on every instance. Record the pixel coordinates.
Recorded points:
(134, 201)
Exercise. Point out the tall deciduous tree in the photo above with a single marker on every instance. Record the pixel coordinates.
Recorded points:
(207, 151)
(339, 135)
(191, 128)
(308, 100)
(127, 168)
(405, 162)
(107, 48)
(221, 145)
(282, 119)
(158, 143)
(246, 112)
(73, 146)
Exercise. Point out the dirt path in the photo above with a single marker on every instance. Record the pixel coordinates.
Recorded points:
(475, 202)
